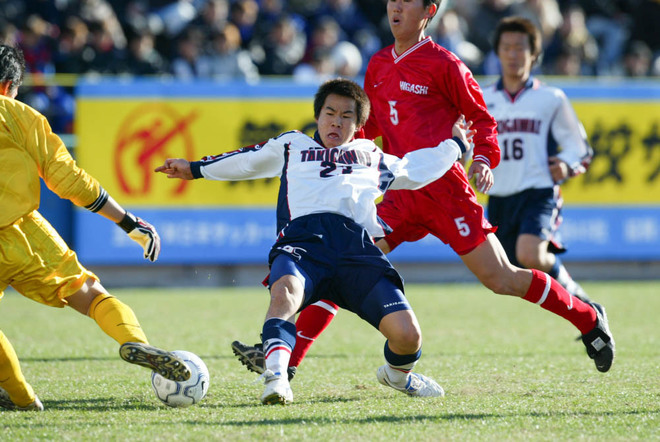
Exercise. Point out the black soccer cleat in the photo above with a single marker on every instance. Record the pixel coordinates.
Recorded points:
(165, 363)
(250, 356)
(599, 341)
(253, 358)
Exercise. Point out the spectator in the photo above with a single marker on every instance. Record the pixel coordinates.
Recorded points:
(645, 28)
(346, 59)
(213, 17)
(37, 45)
(449, 31)
(483, 22)
(100, 54)
(324, 36)
(142, 58)
(637, 59)
(283, 49)
(243, 14)
(346, 14)
(227, 60)
(69, 55)
(320, 68)
(608, 22)
(545, 14)
(100, 11)
(571, 46)
(567, 61)
(188, 62)
(8, 33)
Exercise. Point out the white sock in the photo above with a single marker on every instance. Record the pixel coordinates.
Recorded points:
(399, 375)
(277, 354)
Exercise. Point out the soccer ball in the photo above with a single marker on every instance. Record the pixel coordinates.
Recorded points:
(185, 393)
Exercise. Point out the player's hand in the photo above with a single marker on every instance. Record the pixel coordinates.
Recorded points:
(558, 169)
(484, 179)
(142, 233)
(462, 129)
(176, 168)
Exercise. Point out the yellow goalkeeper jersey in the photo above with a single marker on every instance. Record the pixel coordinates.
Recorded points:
(28, 150)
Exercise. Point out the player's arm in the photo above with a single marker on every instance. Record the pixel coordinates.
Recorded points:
(136, 228)
(568, 131)
(468, 98)
(63, 176)
(423, 166)
(251, 162)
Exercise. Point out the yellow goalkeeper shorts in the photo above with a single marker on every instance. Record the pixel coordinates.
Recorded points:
(35, 260)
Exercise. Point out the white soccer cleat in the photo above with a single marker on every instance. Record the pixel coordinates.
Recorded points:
(277, 391)
(6, 402)
(416, 384)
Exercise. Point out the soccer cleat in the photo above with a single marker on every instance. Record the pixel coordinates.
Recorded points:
(253, 358)
(277, 391)
(6, 402)
(250, 356)
(416, 385)
(165, 363)
(599, 341)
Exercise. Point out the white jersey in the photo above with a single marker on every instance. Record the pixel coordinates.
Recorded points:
(531, 126)
(344, 180)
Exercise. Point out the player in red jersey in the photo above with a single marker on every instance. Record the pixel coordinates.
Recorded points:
(417, 90)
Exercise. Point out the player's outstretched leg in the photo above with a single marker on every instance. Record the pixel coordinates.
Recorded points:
(165, 363)
(7, 403)
(599, 341)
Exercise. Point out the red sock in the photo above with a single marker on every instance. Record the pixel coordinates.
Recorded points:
(550, 295)
(310, 323)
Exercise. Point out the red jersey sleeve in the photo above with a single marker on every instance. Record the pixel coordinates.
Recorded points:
(468, 98)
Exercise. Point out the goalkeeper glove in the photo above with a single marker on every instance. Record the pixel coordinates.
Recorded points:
(142, 233)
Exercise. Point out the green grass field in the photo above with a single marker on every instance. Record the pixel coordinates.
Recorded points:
(511, 371)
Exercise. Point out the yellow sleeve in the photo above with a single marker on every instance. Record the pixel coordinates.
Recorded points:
(56, 166)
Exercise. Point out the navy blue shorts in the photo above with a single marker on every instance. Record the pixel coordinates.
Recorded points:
(337, 260)
(532, 211)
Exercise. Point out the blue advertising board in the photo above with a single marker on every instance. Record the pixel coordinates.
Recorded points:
(244, 236)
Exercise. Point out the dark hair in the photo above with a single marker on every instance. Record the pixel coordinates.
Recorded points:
(12, 66)
(344, 88)
(522, 25)
(428, 3)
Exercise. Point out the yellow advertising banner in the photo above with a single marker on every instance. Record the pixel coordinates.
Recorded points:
(121, 141)
(625, 137)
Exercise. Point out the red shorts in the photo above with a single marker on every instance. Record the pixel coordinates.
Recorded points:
(447, 209)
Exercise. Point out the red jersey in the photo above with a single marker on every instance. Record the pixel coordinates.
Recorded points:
(417, 96)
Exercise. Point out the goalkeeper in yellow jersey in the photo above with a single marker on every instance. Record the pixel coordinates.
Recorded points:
(35, 260)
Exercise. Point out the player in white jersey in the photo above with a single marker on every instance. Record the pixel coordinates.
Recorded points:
(533, 120)
(327, 222)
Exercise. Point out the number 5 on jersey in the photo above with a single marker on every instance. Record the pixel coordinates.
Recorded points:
(394, 114)
(463, 228)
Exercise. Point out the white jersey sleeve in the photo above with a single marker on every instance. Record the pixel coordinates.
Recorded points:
(423, 166)
(570, 135)
(252, 162)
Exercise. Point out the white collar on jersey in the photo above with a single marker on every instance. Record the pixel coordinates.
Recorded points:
(413, 48)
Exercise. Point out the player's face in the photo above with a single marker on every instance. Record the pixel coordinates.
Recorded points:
(337, 120)
(515, 54)
(407, 18)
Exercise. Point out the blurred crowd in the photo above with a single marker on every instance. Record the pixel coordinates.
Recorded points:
(308, 40)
